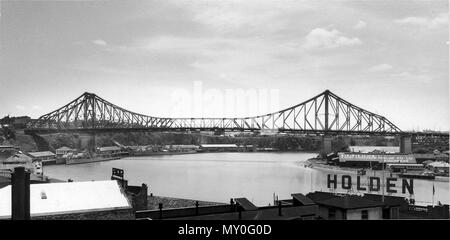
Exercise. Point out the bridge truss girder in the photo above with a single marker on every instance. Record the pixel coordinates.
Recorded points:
(325, 113)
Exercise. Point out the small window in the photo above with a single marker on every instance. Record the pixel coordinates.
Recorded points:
(364, 214)
(331, 213)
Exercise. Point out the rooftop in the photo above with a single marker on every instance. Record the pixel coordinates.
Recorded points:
(368, 149)
(350, 202)
(7, 146)
(18, 158)
(68, 197)
(388, 200)
(218, 145)
(302, 199)
(42, 154)
(439, 164)
(261, 214)
(64, 149)
(245, 204)
(316, 196)
(109, 148)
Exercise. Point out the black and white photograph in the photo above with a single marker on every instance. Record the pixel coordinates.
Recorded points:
(224, 110)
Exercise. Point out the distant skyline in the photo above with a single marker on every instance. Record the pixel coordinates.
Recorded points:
(388, 57)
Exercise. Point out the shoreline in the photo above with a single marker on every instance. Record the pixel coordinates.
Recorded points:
(310, 163)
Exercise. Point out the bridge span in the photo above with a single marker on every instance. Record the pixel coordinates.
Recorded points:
(325, 114)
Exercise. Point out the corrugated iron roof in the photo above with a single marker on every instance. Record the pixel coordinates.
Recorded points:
(64, 149)
(218, 145)
(350, 202)
(302, 199)
(67, 197)
(42, 154)
(110, 148)
(245, 204)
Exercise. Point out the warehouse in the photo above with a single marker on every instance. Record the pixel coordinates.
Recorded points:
(376, 161)
(43, 156)
(218, 147)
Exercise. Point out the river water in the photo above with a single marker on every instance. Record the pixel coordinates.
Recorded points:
(221, 176)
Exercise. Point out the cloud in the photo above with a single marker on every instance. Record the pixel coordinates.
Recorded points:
(244, 17)
(380, 68)
(421, 78)
(323, 38)
(99, 42)
(439, 21)
(361, 24)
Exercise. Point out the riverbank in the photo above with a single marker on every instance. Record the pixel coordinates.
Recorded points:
(89, 160)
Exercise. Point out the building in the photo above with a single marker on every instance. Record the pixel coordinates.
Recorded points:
(218, 147)
(238, 209)
(182, 148)
(440, 168)
(43, 156)
(442, 157)
(349, 207)
(393, 205)
(376, 161)
(8, 148)
(17, 160)
(109, 151)
(64, 151)
(7, 151)
(17, 122)
(370, 149)
(423, 157)
(73, 200)
(404, 167)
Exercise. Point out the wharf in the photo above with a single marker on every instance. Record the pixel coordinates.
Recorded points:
(311, 163)
(89, 160)
(148, 153)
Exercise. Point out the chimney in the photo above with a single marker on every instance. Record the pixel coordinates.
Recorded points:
(160, 206)
(196, 207)
(279, 208)
(20, 194)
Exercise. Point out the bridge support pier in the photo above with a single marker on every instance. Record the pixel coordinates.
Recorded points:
(326, 144)
(88, 142)
(41, 143)
(92, 143)
(405, 144)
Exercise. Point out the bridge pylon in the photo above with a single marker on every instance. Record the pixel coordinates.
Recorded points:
(92, 143)
(326, 144)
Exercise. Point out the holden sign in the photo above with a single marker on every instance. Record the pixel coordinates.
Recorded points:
(374, 184)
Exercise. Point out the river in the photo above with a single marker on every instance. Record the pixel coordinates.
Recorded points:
(221, 176)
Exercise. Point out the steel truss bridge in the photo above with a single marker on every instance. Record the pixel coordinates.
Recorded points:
(324, 114)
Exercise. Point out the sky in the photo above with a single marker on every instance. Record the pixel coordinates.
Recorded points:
(185, 58)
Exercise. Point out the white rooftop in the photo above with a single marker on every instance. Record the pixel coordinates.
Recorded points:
(368, 149)
(218, 145)
(41, 154)
(68, 197)
(439, 164)
(109, 148)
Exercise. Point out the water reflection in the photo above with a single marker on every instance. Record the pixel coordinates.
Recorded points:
(221, 176)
